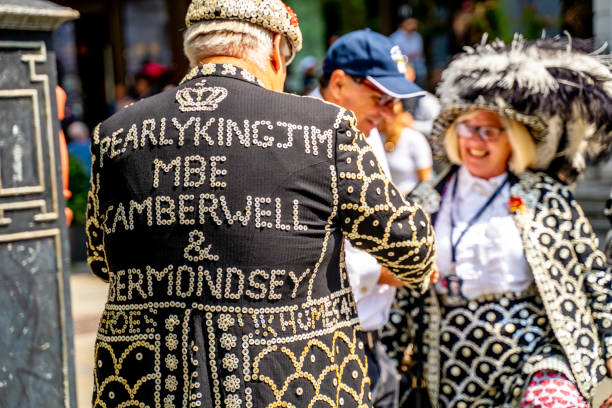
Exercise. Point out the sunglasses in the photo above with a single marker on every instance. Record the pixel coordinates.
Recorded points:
(485, 133)
(384, 99)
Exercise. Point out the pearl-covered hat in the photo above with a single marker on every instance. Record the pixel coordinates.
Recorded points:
(559, 88)
(273, 15)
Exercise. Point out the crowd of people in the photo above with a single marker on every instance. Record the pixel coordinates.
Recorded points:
(265, 249)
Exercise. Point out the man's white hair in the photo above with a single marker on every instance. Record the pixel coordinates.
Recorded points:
(232, 38)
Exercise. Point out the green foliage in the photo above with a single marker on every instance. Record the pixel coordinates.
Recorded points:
(489, 17)
(534, 23)
(312, 25)
(79, 185)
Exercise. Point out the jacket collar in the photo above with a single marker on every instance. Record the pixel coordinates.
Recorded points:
(447, 173)
(469, 184)
(316, 93)
(223, 70)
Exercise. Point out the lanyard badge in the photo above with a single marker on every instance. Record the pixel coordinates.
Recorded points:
(451, 285)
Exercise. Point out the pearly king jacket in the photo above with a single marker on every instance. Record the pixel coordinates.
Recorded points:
(217, 213)
(569, 270)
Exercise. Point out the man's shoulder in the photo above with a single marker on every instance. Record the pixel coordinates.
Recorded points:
(309, 110)
(301, 110)
(310, 103)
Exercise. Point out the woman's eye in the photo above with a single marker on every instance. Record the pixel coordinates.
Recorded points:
(488, 132)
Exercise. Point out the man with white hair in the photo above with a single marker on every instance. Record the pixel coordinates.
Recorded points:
(216, 214)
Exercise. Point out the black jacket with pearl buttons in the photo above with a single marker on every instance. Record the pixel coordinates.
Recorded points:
(217, 213)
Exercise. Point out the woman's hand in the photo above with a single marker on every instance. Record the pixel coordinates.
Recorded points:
(608, 403)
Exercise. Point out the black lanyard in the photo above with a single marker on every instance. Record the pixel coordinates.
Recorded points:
(470, 222)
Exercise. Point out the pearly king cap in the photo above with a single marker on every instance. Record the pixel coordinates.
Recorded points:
(273, 15)
(370, 55)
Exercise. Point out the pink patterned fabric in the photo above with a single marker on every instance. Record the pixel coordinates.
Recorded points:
(551, 389)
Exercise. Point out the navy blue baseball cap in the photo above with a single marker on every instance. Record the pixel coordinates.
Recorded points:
(373, 56)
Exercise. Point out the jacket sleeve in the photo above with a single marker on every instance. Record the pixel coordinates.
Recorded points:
(94, 228)
(598, 284)
(598, 274)
(373, 214)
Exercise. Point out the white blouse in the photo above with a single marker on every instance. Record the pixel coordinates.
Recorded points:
(490, 256)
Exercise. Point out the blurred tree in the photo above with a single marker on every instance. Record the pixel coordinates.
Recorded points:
(534, 24)
(344, 16)
(312, 24)
(577, 17)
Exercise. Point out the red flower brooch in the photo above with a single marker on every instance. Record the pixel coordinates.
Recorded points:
(516, 204)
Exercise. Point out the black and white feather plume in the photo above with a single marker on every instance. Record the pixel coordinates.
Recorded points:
(558, 87)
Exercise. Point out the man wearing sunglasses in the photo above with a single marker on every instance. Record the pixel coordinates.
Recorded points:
(364, 72)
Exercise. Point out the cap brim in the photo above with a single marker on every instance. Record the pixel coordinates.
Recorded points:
(397, 87)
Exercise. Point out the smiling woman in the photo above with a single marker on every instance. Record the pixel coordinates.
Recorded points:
(501, 143)
(524, 297)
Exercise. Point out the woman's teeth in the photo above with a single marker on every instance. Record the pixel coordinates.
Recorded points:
(478, 153)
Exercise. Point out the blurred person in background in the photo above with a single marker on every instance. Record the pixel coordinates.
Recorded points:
(60, 97)
(411, 44)
(123, 97)
(462, 24)
(79, 144)
(308, 74)
(365, 72)
(151, 79)
(424, 112)
(424, 109)
(332, 39)
(408, 152)
(524, 299)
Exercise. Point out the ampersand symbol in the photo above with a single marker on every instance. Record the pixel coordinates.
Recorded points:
(196, 239)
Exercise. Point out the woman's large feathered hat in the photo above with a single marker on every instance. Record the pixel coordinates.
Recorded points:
(557, 87)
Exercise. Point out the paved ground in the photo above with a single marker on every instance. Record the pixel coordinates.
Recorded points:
(88, 297)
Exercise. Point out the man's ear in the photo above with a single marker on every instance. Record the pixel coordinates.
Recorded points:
(337, 82)
(277, 59)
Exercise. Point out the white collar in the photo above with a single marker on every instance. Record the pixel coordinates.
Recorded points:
(472, 184)
(316, 93)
